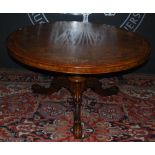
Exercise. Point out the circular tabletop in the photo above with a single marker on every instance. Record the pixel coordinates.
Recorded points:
(78, 48)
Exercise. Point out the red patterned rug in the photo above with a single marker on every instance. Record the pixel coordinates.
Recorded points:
(127, 116)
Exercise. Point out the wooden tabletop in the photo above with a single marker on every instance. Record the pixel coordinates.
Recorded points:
(78, 48)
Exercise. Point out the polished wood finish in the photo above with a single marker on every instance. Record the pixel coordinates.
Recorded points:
(77, 49)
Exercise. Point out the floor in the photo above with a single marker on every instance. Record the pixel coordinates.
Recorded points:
(25, 116)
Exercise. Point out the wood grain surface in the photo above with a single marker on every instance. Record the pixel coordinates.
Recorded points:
(78, 48)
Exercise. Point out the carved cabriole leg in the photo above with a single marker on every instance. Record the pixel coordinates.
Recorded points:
(56, 85)
(96, 86)
(77, 86)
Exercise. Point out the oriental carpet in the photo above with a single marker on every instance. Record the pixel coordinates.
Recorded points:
(127, 116)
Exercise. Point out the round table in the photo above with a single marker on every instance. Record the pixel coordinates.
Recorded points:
(78, 50)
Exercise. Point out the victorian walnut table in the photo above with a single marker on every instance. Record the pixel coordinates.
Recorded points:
(78, 50)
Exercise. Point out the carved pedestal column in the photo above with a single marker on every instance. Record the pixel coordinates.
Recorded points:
(77, 86)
